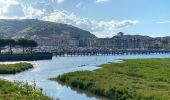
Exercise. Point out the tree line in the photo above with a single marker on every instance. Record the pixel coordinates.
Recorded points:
(24, 43)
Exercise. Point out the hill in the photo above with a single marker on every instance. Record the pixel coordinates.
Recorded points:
(29, 27)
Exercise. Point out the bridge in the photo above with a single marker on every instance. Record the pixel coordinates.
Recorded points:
(98, 52)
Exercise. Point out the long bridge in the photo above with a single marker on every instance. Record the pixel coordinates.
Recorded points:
(105, 52)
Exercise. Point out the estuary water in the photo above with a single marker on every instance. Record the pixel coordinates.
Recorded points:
(45, 69)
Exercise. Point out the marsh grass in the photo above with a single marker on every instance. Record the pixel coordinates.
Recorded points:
(20, 91)
(134, 79)
(14, 68)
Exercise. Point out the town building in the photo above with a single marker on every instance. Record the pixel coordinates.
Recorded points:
(117, 42)
(132, 42)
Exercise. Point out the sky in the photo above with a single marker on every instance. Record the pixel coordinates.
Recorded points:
(103, 18)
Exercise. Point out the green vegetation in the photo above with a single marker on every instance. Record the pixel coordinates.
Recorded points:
(24, 43)
(31, 27)
(135, 79)
(14, 68)
(10, 43)
(27, 43)
(20, 91)
(5, 42)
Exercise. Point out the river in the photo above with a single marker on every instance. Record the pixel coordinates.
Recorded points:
(45, 69)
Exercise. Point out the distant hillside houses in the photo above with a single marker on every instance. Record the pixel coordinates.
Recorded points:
(61, 41)
(134, 42)
(48, 34)
(57, 35)
(118, 42)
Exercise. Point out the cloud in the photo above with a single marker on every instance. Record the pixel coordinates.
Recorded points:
(14, 17)
(97, 27)
(11, 8)
(50, 1)
(45, 11)
(60, 1)
(163, 22)
(79, 5)
(9, 1)
(45, 6)
(34, 13)
(101, 1)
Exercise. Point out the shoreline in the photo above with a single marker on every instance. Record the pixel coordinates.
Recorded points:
(10, 90)
(25, 57)
(17, 89)
(6, 69)
(90, 81)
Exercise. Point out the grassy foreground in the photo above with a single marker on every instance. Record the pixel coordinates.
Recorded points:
(14, 68)
(20, 91)
(131, 80)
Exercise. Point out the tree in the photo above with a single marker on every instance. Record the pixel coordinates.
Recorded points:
(23, 43)
(3, 43)
(10, 43)
(32, 44)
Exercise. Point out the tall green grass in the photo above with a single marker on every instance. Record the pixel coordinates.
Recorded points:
(14, 68)
(20, 91)
(135, 79)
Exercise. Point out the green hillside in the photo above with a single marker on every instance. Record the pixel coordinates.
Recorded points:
(30, 27)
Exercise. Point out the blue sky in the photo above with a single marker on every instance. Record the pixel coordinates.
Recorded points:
(103, 18)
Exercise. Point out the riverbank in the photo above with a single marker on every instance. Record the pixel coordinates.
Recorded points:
(20, 91)
(14, 68)
(132, 79)
(25, 57)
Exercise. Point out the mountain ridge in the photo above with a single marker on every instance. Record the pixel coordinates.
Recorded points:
(30, 27)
